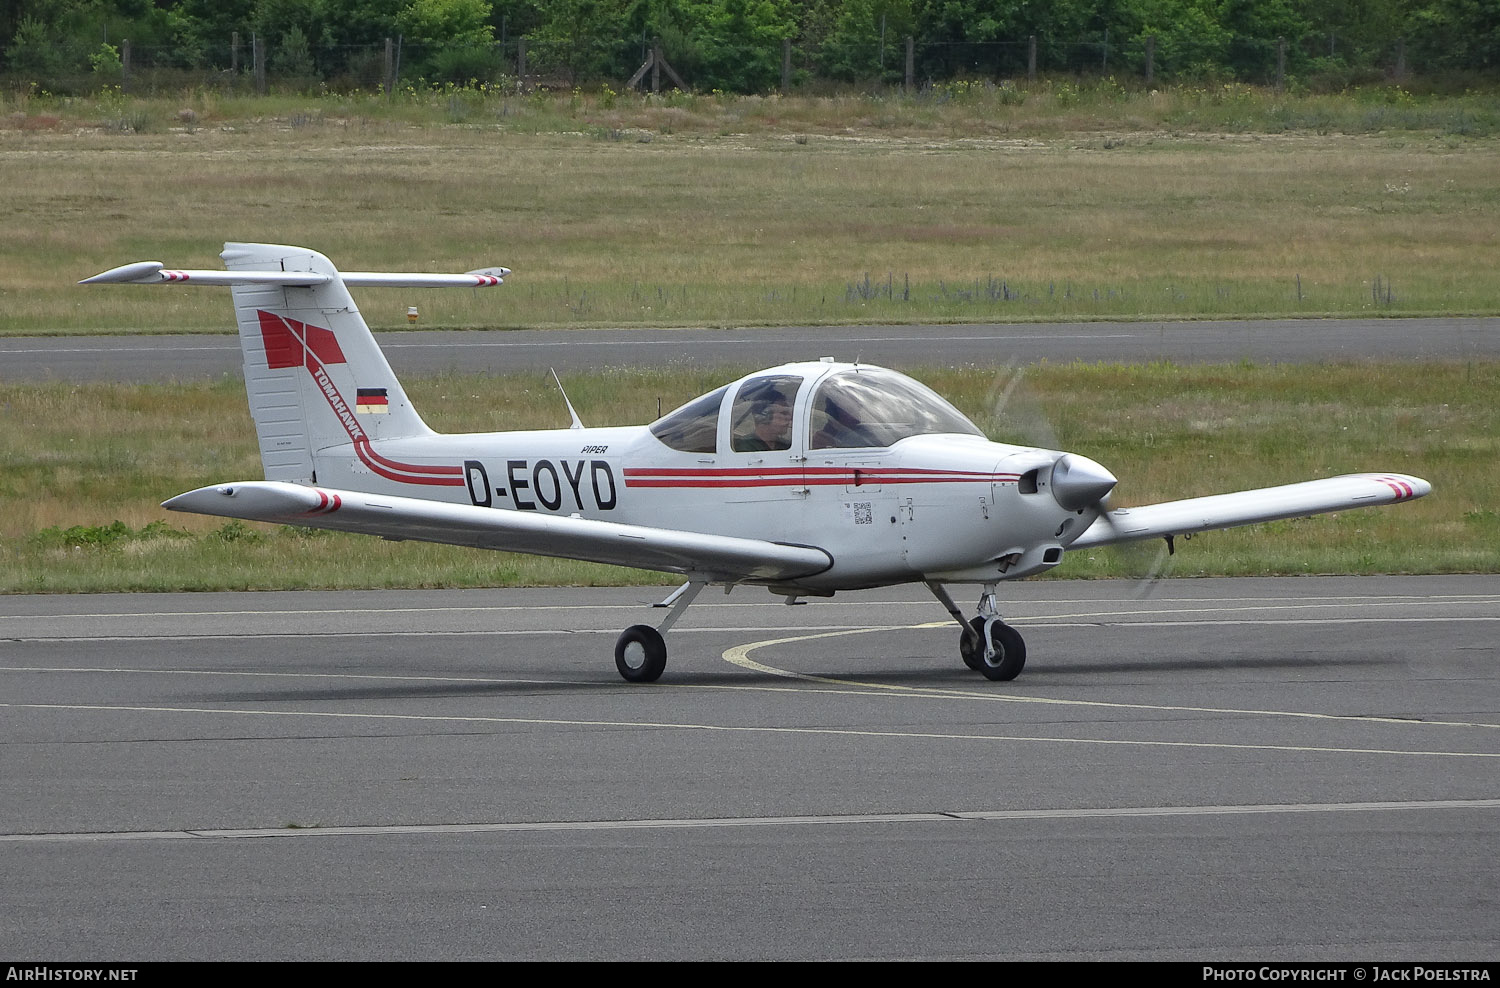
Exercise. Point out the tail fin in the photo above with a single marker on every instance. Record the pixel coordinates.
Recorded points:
(313, 372)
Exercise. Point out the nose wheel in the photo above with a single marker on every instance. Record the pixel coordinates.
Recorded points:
(988, 645)
(1005, 657)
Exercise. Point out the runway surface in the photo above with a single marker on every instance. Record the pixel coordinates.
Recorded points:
(160, 358)
(1268, 769)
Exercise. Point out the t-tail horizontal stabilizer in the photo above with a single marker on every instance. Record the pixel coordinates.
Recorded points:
(157, 273)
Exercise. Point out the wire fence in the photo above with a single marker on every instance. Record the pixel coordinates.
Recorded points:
(252, 64)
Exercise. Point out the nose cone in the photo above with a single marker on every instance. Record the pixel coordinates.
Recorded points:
(1078, 481)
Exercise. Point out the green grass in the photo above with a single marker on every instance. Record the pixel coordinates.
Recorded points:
(75, 459)
(695, 210)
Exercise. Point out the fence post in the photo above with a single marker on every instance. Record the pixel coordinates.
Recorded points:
(258, 53)
(1400, 59)
(1280, 64)
(125, 65)
(388, 76)
(521, 63)
(786, 66)
(1104, 62)
(1150, 58)
(234, 54)
(1031, 59)
(911, 61)
(656, 65)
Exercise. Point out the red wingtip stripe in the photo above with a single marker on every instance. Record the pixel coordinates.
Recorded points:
(327, 503)
(1402, 488)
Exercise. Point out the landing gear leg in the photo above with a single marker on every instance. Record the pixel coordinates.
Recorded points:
(989, 645)
(641, 652)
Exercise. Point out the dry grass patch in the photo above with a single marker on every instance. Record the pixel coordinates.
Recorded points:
(757, 229)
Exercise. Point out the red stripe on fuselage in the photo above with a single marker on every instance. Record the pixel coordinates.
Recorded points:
(735, 477)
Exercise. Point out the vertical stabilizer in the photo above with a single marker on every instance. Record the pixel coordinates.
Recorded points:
(315, 377)
(314, 374)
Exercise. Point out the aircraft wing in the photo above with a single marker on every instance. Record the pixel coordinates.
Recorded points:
(716, 558)
(1202, 514)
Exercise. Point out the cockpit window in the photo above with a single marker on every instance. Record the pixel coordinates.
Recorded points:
(762, 415)
(693, 428)
(875, 407)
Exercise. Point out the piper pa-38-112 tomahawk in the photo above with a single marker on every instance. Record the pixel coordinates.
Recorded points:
(806, 479)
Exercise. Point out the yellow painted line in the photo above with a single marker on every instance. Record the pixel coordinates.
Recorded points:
(740, 656)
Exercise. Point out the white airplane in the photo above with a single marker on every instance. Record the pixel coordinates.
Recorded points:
(806, 479)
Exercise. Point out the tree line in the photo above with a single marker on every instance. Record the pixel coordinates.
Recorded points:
(746, 46)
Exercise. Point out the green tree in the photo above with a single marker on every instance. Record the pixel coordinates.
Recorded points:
(292, 58)
(868, 40)
(991, 36)
(438, 22)
(1254, 27)
(739, 42)
(35, 50)
(55, 39)
(363, 22)
(579, 39)
(1454, 35)
(452, 40)
(1191, 38)
(1354, 34)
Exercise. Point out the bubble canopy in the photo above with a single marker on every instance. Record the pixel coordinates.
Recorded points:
(851, 407)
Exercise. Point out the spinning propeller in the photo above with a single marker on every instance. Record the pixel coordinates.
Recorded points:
(1015, 415)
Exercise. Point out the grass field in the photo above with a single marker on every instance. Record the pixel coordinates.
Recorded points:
(76, 459)
(745, 211)
(964, 203)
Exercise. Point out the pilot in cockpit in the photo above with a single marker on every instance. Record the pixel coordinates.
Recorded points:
(771, 418)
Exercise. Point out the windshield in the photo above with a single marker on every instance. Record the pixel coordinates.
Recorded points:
(876, 407)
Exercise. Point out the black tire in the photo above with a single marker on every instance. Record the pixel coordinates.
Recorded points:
(640, 654)
(1010, 654)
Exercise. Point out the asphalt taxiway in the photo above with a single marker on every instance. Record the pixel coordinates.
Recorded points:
(162, 358)
(1289, 769)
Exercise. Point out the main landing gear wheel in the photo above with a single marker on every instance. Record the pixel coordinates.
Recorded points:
(1009, 656)
(640, 654)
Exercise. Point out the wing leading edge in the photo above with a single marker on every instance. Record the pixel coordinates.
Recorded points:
(714, 558)
(1203, 514)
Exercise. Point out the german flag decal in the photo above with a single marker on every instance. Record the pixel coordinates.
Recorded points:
(372, 401)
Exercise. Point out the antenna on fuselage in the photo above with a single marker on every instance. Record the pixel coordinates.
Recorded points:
(571, 414)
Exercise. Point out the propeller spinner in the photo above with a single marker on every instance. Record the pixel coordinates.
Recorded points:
(1078, 482)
